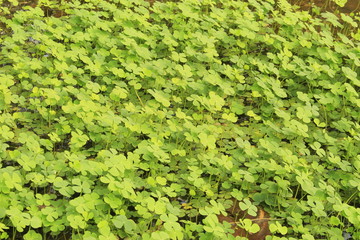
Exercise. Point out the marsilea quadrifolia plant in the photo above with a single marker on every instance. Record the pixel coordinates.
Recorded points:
(123, 119)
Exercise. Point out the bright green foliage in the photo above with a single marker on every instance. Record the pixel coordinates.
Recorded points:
(114, 113)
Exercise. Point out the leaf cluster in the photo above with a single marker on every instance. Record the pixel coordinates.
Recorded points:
(127, 120)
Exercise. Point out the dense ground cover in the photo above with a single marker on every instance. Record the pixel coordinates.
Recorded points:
(125, 120)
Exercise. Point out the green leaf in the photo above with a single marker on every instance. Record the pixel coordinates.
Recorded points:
(340, 3)
(119, 221)
(36, 222)
(78, 139)
(160, 96)
(303, 96)
(251, 113)
(230, 117)
(160, 235)
(207, 140)
(3, 227)
(6, 133)
(118, 93)
(334, 221)
(161, 180)
(278, 228)
(160, 207)
(76, 221)
(118, 72)
(51, 214)
(303, 113)
(350, 74)
(249, 226)
(104, 227)
(32, 235)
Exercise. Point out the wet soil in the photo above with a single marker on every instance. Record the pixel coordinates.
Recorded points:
(352, 6)
(234, 214)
